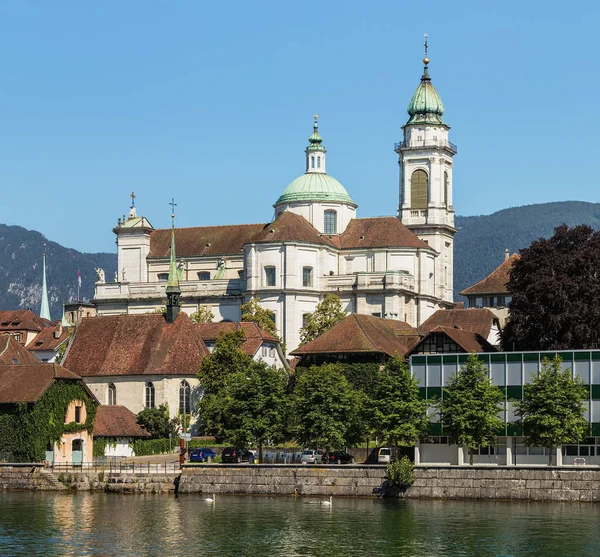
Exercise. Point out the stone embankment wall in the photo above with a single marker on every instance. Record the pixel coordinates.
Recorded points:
(32, 477)
(280, 479)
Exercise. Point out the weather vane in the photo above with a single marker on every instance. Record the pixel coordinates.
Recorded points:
(173, 205)
(425, 45)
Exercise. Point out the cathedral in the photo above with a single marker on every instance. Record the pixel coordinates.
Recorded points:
(398, 267)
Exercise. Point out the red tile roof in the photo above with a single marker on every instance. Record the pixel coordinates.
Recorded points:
(117, 421)
(495, 282)
(363, 334)
(478, 321)
(22, 320)
(45, 339)
(379, 232)
(27, 383)
(254, 335)
(290, 227)
(135, 345)
(13, 352)
(467, 340)
(204, 240)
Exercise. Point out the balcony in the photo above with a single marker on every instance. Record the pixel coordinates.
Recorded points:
(156, 290)
(363, 281)
(425, 144)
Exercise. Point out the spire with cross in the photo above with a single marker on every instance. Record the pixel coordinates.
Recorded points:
(173, 291)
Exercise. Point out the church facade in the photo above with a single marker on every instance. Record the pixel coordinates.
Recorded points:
(398, 267)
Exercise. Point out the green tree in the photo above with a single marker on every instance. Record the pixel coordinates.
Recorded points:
(552, 408)
(470, 407)
(327, 313)
(399, 414)
(202, 315)
(555, 288)
(158, 422)
(265, 318)
(215, 376)
(324, 405)
(256, 410)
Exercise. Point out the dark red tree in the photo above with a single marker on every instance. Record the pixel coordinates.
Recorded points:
(555, 289)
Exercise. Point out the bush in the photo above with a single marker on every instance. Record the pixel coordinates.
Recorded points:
(401, 473)
(145, 447)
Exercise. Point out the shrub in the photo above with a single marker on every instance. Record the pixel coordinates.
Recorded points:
(401, 473)
(145, 447)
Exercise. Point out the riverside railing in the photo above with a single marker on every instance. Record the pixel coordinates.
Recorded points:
(119, 467)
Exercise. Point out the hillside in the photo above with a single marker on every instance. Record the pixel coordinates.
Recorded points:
(481, 240)
(480, 245)
(21, 270)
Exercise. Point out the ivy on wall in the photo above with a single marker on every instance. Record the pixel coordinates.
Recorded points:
(100, 444)
(26, 430)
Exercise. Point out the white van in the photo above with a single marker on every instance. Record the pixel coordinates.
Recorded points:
(386, 455)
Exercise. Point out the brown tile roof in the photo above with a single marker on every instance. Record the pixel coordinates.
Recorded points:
(13, 352)
(22, 320)
(253, 334)
(27, 383)
(467, 340)
(379, 232)
(478, 321)
(363, 333)
(45, 339)
(495, 282)
(135, 345)
(204, 240)
(290, 227)
(117, 421)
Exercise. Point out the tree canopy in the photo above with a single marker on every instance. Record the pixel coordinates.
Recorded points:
(324, 407)
(328, 312)
(265, 318)
(399, 415)
(202, 315)
(552, 411)
(158, 422)
(555, 289)
(470, 406)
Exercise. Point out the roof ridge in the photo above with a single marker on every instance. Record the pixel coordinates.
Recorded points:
(363, 330)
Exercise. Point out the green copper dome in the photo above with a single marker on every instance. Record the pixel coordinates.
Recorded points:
(426, 106)
(314, 186)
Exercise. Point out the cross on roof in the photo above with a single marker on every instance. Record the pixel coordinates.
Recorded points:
(173, 205)
(132, 199)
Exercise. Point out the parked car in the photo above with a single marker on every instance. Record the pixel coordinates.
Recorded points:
(386, 455)
(340, 457)
(311, 456)
(202, 455)
(231, 454)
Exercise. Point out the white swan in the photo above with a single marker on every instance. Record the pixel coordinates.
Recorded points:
(330, 502)
(210, 500)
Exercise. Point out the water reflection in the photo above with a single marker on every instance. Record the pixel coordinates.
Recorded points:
(82, 524)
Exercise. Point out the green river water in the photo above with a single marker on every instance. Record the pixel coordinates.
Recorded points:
(82, 524)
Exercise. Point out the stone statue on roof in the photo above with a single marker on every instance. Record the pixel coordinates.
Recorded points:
(100, 274)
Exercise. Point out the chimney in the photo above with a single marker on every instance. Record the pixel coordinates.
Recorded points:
(58, 330)
(506, 254)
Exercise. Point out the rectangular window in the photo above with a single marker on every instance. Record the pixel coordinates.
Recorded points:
(204, 275)
(330, 222)
(78, 414)
(163, 277)
(306, 276)
(376, 314)
(305, 317)
(269, 276)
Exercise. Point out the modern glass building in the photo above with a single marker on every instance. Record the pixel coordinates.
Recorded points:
(510, 371)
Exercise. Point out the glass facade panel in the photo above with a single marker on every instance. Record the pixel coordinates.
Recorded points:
(434, 375)
(419, 373)
(586, 410)
(596, 372)
(595, 411)
(510, 412)
(529, 370)
(583, 370)
(447, 371)
(513, 373)
(498, 373)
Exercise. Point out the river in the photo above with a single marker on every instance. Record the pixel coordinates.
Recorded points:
(98, 524)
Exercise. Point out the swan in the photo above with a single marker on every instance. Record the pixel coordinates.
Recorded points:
(330, 502)
(210, 500)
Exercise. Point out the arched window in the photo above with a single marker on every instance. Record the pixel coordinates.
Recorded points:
(112, 395)
(330, 222)
(419, 183)
(445, 188)
(318, 162)
(184, 398)
(150, 395)
(312, 162)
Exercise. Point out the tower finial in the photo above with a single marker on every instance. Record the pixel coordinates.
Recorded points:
(132, 199)
(45, 306)
(426, 58)
(173, 291)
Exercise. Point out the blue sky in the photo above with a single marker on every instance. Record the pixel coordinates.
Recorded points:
(212, 103)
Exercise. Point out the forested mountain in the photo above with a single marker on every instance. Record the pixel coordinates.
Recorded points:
(21, 270)
(481, 240)
(480, 245)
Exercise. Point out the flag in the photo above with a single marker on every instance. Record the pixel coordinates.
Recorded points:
(78, 278)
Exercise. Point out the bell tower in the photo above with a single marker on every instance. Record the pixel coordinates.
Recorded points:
(425, 157)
